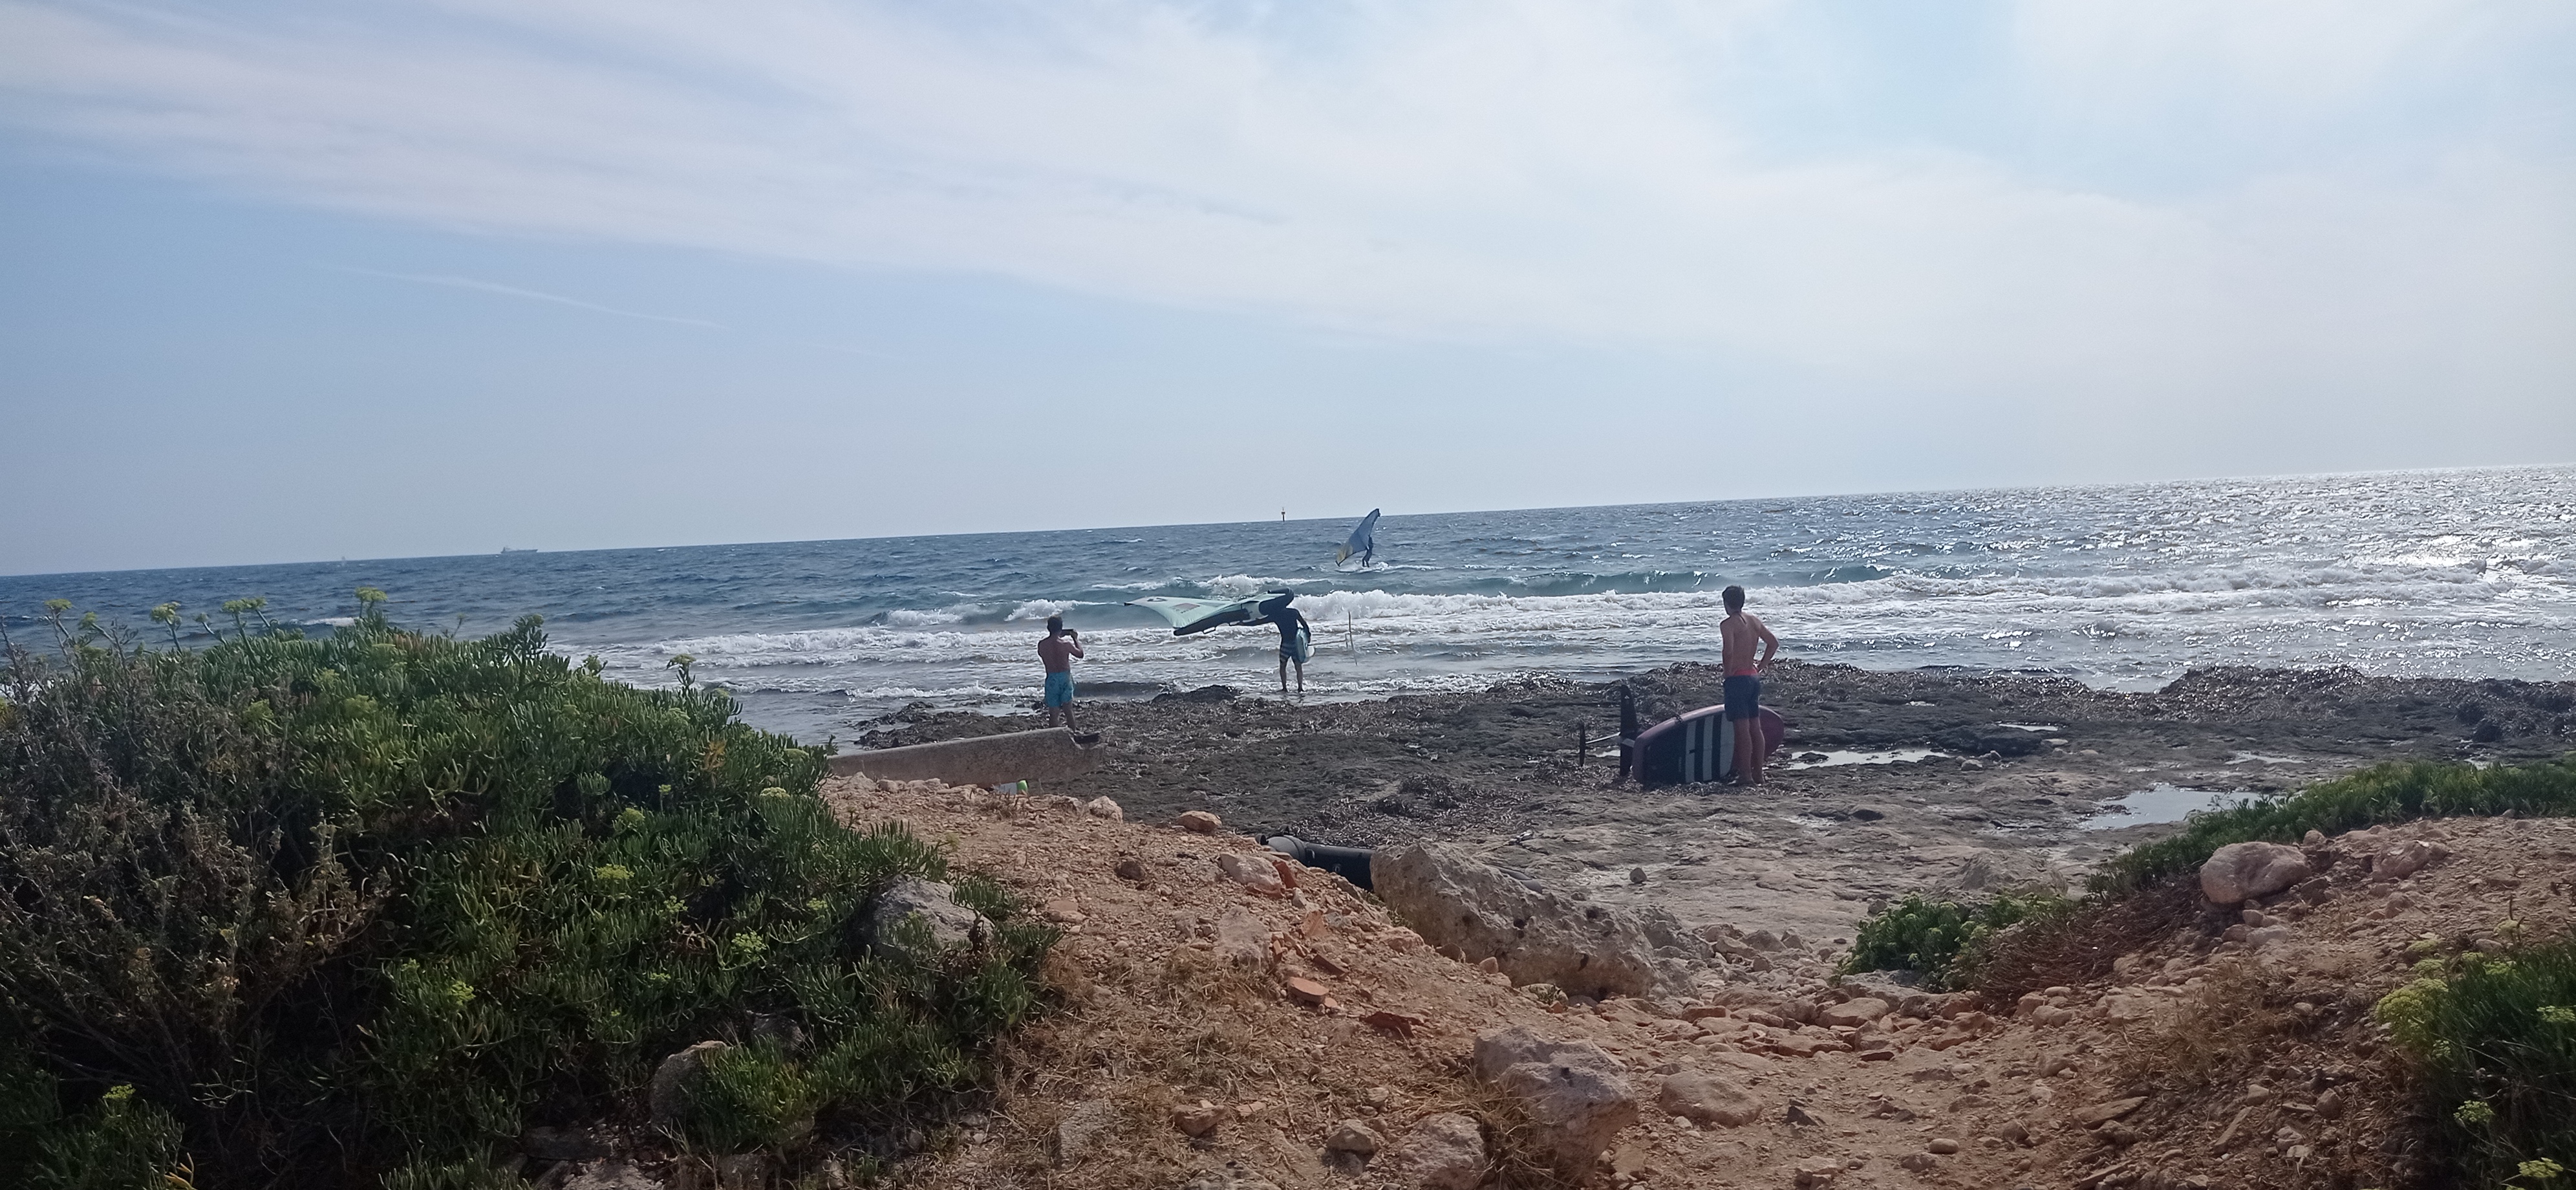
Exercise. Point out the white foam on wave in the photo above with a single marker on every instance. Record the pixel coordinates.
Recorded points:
(909, 618)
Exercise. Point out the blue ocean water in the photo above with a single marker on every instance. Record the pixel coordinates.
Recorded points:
(2456, 573)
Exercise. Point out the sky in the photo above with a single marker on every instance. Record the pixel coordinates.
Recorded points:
(286, 280)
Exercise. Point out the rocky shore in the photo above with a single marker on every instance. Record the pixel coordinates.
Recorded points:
(1894, 782)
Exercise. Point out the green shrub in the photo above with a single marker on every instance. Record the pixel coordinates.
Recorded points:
(1939, 938)
(2494, 1040)
(2396, 792)
(119, 1142)
(376, 903)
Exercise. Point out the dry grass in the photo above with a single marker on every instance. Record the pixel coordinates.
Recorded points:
(2078, 947)
(2226, 1025)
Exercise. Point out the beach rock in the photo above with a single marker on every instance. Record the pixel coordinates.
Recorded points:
(564, 1144)
(2407, 858)
(1576, 1094)
(1241, 939)
(1199, 822)
(933, 905)
(1942, 1145)
(1082, 1129)
(674, 1079)
(1475, 909)
(1708, 1099)
(1995, 738)
(613, 1175)
(1133, 871)
(1354, 1136)
(1228, 1179)
(1852, 1014)
(1443, 1151)
(2112, 1110)
(1103, 807)
(1252, 872)
(1198, 1119)
(2243, 871)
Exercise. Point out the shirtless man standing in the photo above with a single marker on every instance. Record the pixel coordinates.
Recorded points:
(1057, 652)
(1739, 632)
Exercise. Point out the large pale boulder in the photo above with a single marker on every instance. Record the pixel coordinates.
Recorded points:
(1534, 935)
(1576, 1094)
(932, 904)
(1445, 1151)
(2244, 871)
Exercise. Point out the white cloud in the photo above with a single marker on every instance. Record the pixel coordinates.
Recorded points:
(1479, 171)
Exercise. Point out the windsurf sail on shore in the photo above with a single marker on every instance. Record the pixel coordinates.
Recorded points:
(1363, 541)
(1192, 616)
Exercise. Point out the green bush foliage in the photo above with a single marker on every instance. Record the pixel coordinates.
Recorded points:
(372, 904)
(2396, 792)
(2494, 1041)
(1939, 938)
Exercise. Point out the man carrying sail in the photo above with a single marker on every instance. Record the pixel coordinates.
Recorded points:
(1295, 644)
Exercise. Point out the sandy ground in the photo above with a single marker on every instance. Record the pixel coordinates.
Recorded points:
(1903, 786)
(2209, 1059)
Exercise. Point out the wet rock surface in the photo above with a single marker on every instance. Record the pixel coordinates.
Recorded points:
(1871, 818)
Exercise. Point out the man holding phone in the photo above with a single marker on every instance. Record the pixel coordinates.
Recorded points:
(1057, 652)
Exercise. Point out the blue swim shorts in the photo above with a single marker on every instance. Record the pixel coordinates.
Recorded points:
(1059, 690)
(1743, 697)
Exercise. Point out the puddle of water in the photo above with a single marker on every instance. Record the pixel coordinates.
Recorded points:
(1896, 756)
(2164, 803)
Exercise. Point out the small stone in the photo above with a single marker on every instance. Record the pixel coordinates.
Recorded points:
(669, 1094)
(1253, 873)
(1852, 1014)
(1396, 1023)
(1708, 1099)
(1636, 875)
(2109, 1111)
(1102, 807)
(562, 1144)
(1081, 1130)
(1917, 1162)
(1198, 1119)
(1443, 1151)
(1354, 1136)
(1199, 822)
(2407, 858)
(1062, 911)
(1942, 1145)
(1133, 871)
(1307, 991)
(1798, 1117)
(614, 1175)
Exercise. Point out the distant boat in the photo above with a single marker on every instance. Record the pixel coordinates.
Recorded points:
(513, 550)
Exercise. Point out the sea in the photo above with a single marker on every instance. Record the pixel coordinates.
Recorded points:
(2462, 573)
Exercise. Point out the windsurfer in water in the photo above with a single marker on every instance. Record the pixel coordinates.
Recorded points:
(1057, 652)
(1739, 632)
(1294, 646)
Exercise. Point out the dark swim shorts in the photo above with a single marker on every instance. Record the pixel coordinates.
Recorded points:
(1743, 697)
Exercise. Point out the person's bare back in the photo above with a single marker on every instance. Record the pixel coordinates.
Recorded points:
(1739, 635)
